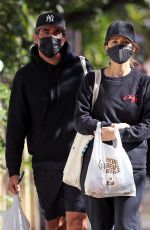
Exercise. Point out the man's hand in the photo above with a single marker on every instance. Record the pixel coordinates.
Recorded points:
(13, 184)
(108, 133)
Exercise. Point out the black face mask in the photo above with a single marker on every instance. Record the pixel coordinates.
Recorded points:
(120, 53)
(50, 46)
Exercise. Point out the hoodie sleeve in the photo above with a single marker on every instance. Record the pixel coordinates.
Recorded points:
(84, 123)
(140, 131)
(17, 126)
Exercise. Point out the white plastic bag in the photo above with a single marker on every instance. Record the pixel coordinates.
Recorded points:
(14, 218)
(110, 171)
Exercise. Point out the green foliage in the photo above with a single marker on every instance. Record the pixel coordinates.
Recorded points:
(8, 199)
(139, 16)
(4, 100)
(27, 163)
(14, 34)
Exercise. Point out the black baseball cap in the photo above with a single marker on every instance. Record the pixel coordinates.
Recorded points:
(50, 18)
(122, 28)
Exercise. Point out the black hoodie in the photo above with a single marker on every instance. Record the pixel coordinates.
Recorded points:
(120, 100)
(41, 108)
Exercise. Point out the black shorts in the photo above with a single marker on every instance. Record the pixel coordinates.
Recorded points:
(56, 197)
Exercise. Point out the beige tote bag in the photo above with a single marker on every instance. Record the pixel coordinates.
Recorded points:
(72, 170)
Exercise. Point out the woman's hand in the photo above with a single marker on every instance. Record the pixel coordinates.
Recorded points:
(108, 133)
(120, 125)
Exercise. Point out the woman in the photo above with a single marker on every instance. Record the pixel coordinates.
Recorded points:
(124, 101)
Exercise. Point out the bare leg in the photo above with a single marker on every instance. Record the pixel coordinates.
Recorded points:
(76, 221)
(56, 224)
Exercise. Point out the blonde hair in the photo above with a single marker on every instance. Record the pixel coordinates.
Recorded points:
(134, 62)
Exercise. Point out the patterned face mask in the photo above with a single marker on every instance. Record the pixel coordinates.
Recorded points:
(50, 46)
(120, 53)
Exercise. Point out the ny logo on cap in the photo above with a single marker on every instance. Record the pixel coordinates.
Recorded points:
(50, 18)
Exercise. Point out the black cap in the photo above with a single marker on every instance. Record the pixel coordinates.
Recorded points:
(122, 28)
(49, 18)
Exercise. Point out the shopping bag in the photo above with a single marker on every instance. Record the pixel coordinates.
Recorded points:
(109, 171)
(72, 170)
(14, 218)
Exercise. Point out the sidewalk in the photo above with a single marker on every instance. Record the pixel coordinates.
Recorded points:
(145, 212)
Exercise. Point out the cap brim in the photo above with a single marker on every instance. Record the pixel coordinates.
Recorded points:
(118, 35)
(39, 27)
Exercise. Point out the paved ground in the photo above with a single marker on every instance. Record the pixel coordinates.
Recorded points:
(145, 217)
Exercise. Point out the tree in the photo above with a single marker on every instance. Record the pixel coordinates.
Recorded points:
(4, 100)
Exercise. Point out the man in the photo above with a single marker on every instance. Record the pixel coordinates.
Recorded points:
(41, 108)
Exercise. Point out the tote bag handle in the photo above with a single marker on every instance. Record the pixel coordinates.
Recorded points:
(97, 79)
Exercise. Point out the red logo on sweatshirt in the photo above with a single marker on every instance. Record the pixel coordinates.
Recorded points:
(131, 98)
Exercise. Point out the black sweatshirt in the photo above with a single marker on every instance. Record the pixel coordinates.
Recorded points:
(120, 100)
(42, 106)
